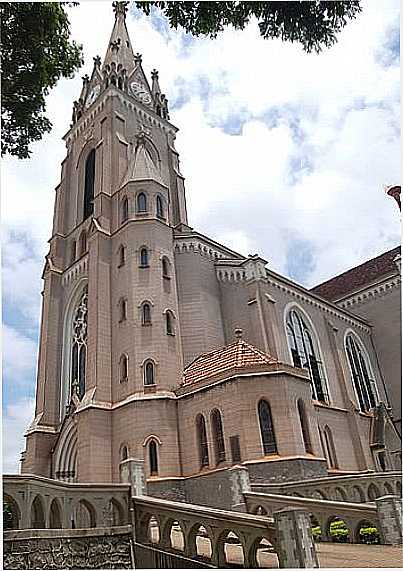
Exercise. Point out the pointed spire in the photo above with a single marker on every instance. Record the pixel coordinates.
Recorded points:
(141, 165)
(120, 49)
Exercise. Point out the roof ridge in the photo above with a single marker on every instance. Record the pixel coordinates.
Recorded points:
(235, 356)
(395, 249)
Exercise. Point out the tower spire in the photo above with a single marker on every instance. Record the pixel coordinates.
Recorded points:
(120, 51)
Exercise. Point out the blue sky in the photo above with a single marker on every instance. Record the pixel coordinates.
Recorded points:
(285, 154)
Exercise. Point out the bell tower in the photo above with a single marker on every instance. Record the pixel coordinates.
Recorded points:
(110, 354)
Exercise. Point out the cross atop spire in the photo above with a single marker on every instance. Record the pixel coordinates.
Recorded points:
(120, 8)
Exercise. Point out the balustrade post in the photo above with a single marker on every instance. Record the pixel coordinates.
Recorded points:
(294, 541)
(132, 472)
(240, 484)
(389, 510)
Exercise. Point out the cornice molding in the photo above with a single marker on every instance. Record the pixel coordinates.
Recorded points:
(201, 245)
(378, 290)
(326, 307)
(87, 119)
(77, 270)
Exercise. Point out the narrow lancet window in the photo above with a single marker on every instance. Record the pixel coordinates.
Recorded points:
(218, 436)
(305, 353)
(79, 346)
(89, 183)
(146, 314)
(149, 374)
(160, 208)
(122, 310)
(141, 202)
(165, 268)
(153, 457)
(122, 256)
(266, 428)
(143, 258)
(330, 448)
(123, 368)
(304, 427)
(169, 323)
(363, 382)
(124, 215)
(202, 440)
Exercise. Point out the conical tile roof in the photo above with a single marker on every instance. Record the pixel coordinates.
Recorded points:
(235, 357)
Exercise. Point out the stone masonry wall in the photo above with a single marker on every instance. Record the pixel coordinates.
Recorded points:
(108, 548)
(222, 489)
(286, 471)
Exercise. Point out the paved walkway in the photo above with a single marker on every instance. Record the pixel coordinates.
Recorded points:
(353, 555)
(331, 555)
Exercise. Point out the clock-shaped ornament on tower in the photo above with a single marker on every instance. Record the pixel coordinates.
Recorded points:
(140, 92)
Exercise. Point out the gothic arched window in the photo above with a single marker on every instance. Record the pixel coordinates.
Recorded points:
(89, 183)
(143, 258)
(360, 367)
(79, 346)
(153, 458)
(266, 428)
(124, 215)
(160, 207)
(305, 353)
(202, 440)
(141, 202)
(330, 449)
(149, 374)
(218, 436)
(169, 323)
(304, 426)
(146, 314)
(123, 368)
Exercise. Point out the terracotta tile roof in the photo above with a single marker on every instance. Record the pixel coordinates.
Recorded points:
(237, 357)
(359, 277)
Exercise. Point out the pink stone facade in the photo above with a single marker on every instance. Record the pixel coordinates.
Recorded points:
(208, 291)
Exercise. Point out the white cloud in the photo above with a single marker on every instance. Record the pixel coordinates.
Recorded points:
(16, 420)
(318, 137)
(19, 356)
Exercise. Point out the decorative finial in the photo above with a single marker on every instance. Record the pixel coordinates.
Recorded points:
(120, 8)
(238, 333)
(137, 58)
(115, 45)
(97, 61)
(85, 79)
(394, 192)
(154, 74)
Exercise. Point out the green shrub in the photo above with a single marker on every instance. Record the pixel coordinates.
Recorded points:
(317, 533)
(339, 531)
(369, 535)
(7, 516)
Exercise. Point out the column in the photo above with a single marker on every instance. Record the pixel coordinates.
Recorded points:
(295, 545)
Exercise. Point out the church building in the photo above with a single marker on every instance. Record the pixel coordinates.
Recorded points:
(159, 344)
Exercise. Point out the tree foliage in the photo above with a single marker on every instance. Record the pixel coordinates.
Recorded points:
(36, 51)
(314, 24)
